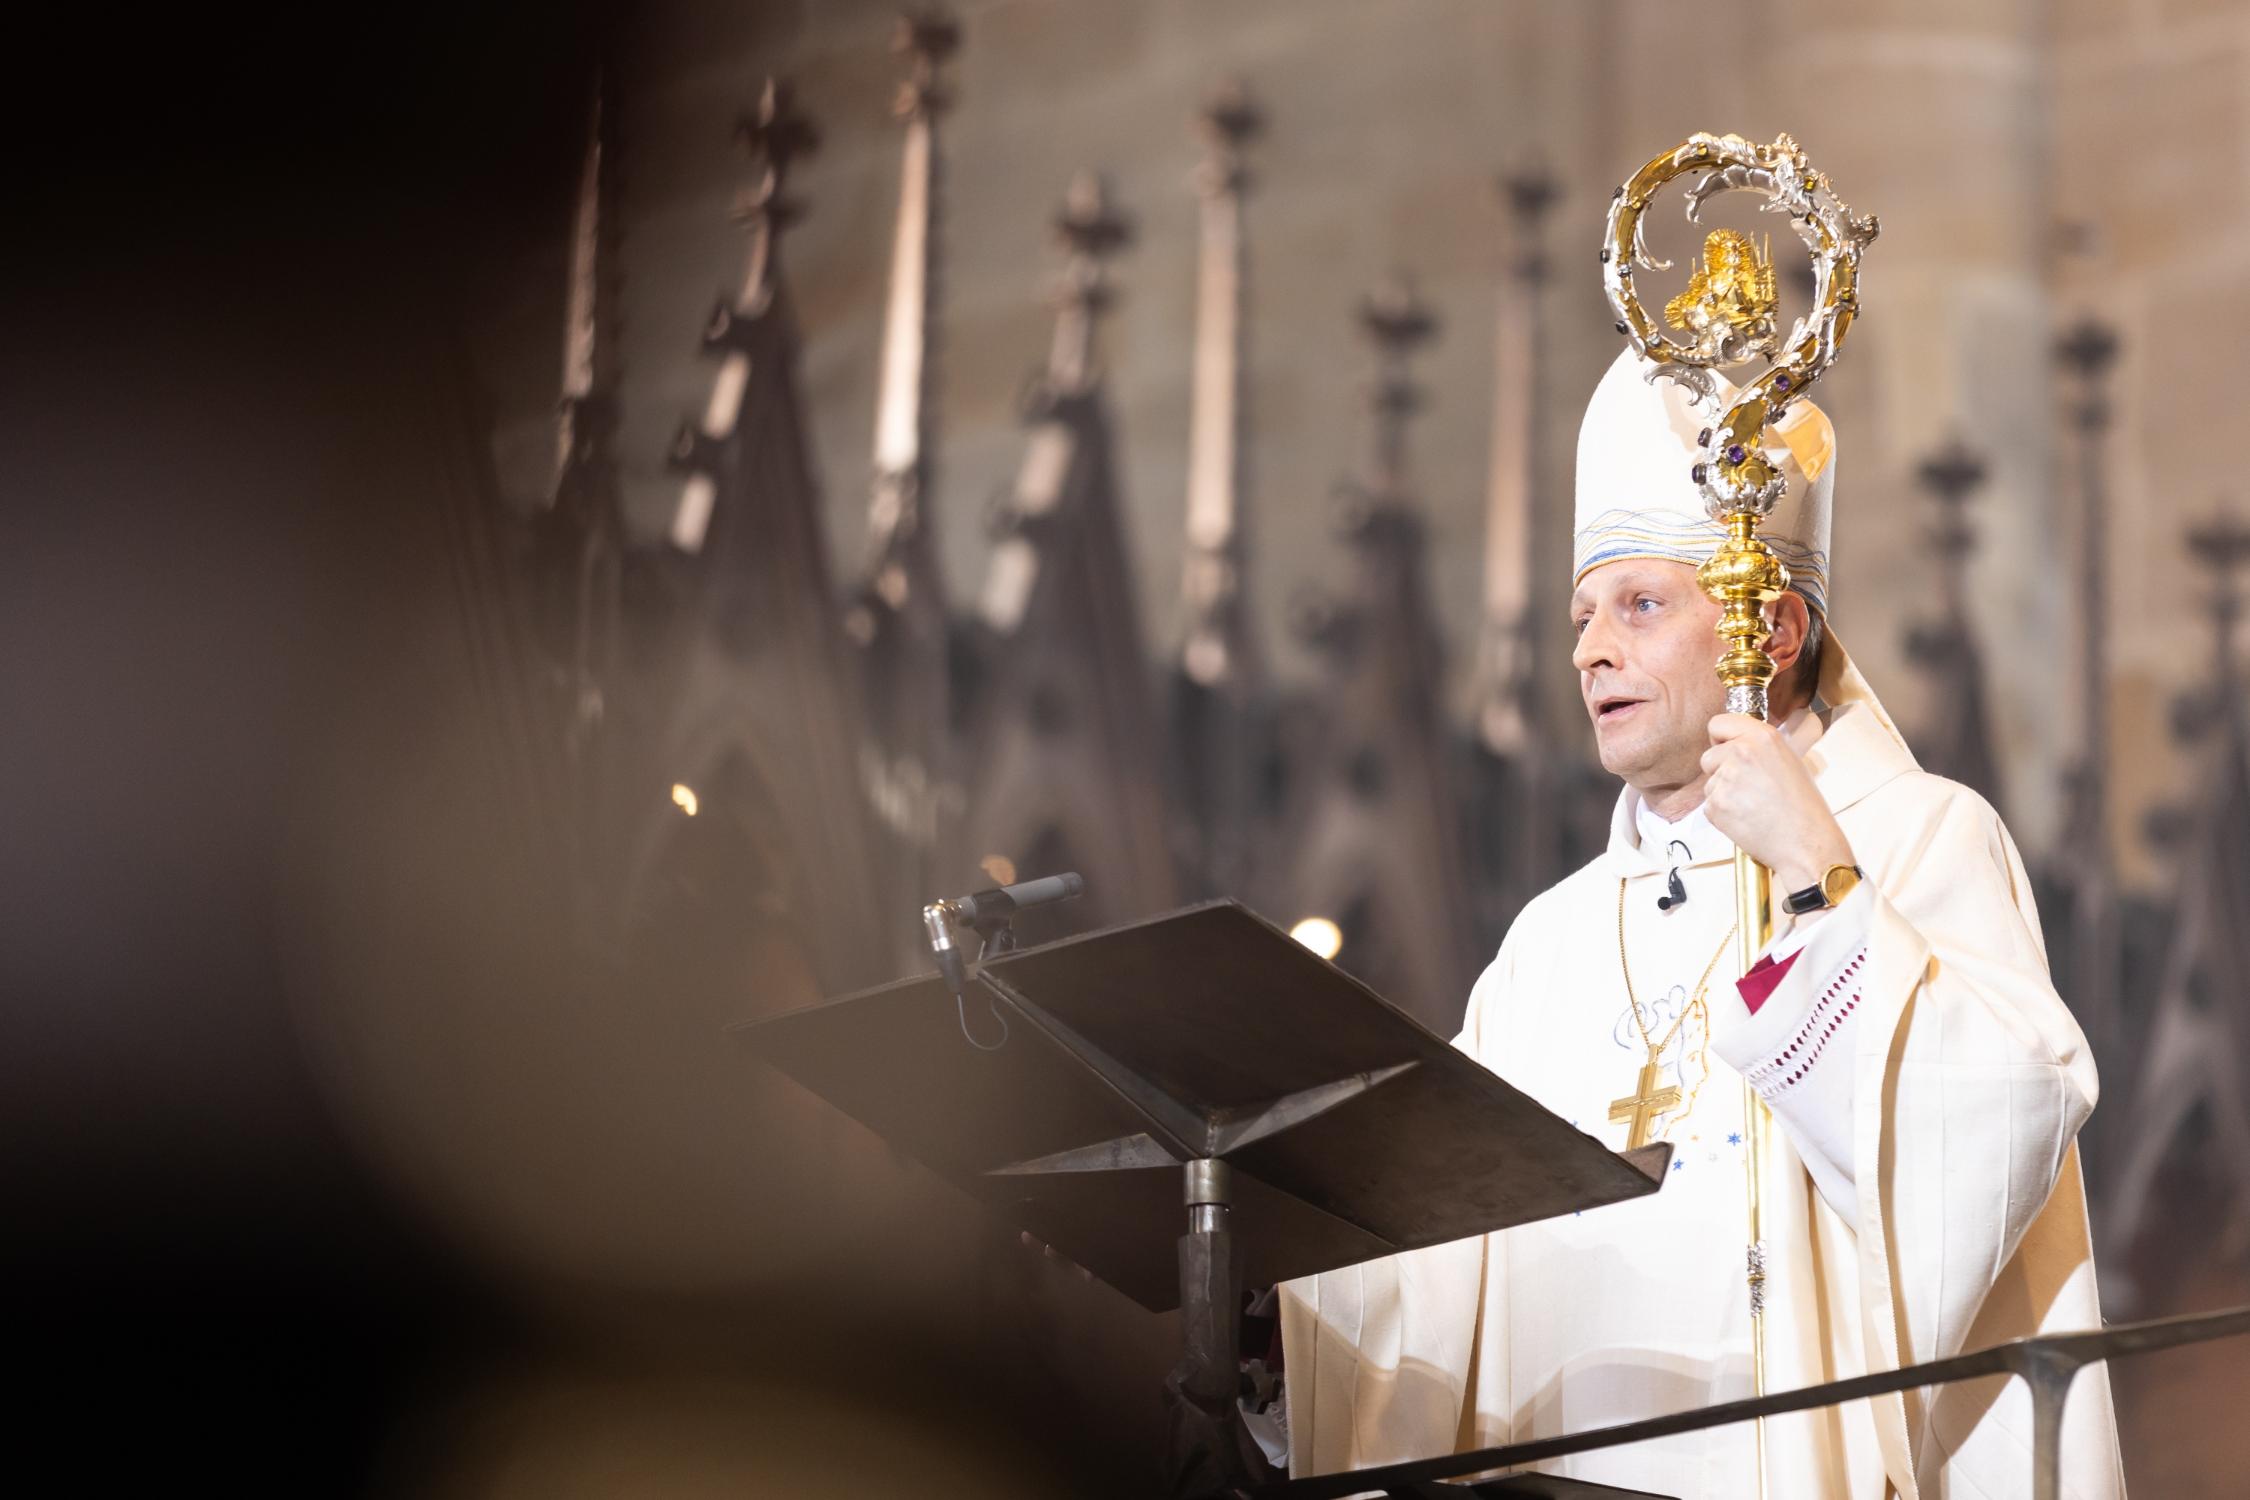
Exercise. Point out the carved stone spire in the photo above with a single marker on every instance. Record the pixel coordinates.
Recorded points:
(1957, 738)
(589, 361)
(1212, 581)
(1218, 728)
(2222, 546)
(898, 617)
(1516, 819)
(582, 534)
(1952, 475)
(1069, 766)
(1380, 520)
(756, 727)
(2087, 351)
(741, 329)
(902, 419)
(1372, 812)
(1091, 231)
(776, 135)
(1396, 324)
(2091, 967)
(1507, 710)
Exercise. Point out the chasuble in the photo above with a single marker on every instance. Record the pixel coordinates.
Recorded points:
(1921, 1196)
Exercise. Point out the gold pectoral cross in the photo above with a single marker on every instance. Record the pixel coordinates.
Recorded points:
(1644, 1104)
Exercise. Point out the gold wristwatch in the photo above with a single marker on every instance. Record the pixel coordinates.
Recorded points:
(1834, 886)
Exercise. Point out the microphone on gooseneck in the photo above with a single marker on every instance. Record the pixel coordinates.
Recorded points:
(988, 907)
(1675, 892)
(986, 913)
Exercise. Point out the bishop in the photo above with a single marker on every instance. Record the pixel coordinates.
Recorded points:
(1920, 1191)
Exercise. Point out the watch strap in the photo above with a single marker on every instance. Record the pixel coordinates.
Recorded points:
(1814, 897)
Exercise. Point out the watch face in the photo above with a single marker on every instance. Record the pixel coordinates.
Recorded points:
(1838, 883)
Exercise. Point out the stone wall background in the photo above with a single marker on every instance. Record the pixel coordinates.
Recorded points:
(2149, 150)
(2029, 161)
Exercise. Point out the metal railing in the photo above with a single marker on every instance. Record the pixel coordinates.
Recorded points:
(2047, 1364)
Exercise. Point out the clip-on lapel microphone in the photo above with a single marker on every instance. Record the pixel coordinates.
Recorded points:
(1675, 892)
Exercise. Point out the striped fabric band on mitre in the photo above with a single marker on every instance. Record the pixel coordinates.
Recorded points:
(1616, 534)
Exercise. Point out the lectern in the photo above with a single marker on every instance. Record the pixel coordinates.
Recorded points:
(1202, 1066)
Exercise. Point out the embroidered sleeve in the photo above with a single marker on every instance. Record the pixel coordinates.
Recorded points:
(1796, 1044)
(1815, 1031)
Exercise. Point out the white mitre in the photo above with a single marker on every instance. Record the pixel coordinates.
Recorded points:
(1637, 494)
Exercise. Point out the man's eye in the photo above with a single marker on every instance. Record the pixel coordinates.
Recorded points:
(1643, 605)
(1579, 624)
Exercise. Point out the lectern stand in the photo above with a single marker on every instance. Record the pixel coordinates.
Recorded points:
(1207, 1057)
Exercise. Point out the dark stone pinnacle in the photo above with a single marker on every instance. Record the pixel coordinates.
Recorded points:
(1089, 224)
(2221, 544)
(777, 131)
(1530, 194)
(1230, 117)
(2089, 347)
(1394, 317)
(1951, 472)
(929, 32)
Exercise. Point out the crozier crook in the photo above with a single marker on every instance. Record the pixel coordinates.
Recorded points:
(1728, 311)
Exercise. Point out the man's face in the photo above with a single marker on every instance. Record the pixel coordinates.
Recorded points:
(1645, 653)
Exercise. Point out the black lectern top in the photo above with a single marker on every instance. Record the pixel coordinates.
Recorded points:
(1352, 1131)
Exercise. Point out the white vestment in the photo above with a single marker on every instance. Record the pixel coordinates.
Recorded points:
(1922, 1195)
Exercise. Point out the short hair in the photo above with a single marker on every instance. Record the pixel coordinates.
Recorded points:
(1804, 672)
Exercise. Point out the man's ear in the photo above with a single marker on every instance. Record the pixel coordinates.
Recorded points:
(1791, 620)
